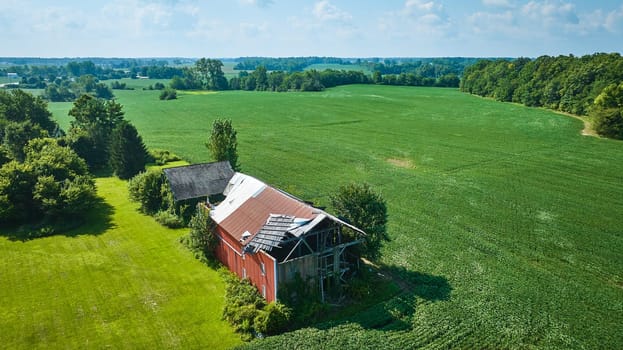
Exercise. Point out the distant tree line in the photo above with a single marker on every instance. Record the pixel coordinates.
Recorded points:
(286, 64)
(208, 74)
(564, 83)
(108, 62)
(422, 67)
(64, 89)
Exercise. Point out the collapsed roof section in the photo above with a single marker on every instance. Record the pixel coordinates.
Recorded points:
(198, 180)
(263, 218)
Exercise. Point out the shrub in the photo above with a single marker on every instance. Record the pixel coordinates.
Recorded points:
(162, 157)
(247, 311)
(146, 189)
(201, 235)
(168, 94)
(273, 319)
(168, 219)
(242, 303)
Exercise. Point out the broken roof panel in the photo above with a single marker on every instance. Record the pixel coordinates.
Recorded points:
(198, 180)
(272, 233)
(254, 207)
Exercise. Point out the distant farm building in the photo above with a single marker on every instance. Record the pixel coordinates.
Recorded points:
(270, 236)
(12, 75)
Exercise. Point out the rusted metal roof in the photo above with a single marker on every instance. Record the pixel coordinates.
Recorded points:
(266, 214)
(253, 213)
(198, 180)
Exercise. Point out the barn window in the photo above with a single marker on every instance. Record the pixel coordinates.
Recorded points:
(264, 290)
(263, 268)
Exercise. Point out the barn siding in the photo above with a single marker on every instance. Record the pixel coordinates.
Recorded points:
(229, 252)
(306, 266)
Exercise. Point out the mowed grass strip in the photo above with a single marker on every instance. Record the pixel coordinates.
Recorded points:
(508, 207)
(122, 281)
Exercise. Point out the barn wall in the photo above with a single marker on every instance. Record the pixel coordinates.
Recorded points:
(306, 266)
(229, 252)
(263, 280)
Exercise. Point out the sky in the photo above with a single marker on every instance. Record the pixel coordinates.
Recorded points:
(284, 28)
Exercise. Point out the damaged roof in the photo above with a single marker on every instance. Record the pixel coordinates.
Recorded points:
(199, 180)
(268, 214)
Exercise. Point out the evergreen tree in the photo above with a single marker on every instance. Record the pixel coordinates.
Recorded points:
(128, 154)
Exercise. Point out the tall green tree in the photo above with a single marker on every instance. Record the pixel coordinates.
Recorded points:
(128, 154)
(91, 129)
(217, 77)
(223, 143)
(607, 112)
(20, 106)
(17, 135)
(203, 75)
(361, 206)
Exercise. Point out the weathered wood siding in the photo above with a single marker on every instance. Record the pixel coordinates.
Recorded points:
(306, 266)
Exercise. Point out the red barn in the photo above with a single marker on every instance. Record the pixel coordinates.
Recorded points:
(269, 236)
(265, 234)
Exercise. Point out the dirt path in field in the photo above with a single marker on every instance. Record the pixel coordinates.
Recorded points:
(588, 128)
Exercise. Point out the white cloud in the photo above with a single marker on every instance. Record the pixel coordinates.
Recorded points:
(614, 21)
(325, 11)
(135, 18)
(497, 3)
(258, 3)
(417, 17)
(415, 7)
(488, 23)
(551, 12)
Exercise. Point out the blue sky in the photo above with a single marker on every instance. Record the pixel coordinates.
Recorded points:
(343, 28)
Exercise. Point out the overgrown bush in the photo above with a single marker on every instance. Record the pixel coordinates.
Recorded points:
(147, 189)
(151, 190)
(52, 185)
(168, 94)
(168, 219)
(201, 237)
(304, 299)
(273, 319)
(162, 157)
(247, 311)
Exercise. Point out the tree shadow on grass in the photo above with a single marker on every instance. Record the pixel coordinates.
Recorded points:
(395, 312)
(93, 221)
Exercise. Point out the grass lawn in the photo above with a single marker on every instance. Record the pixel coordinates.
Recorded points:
(505, 219)
(121, 282)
